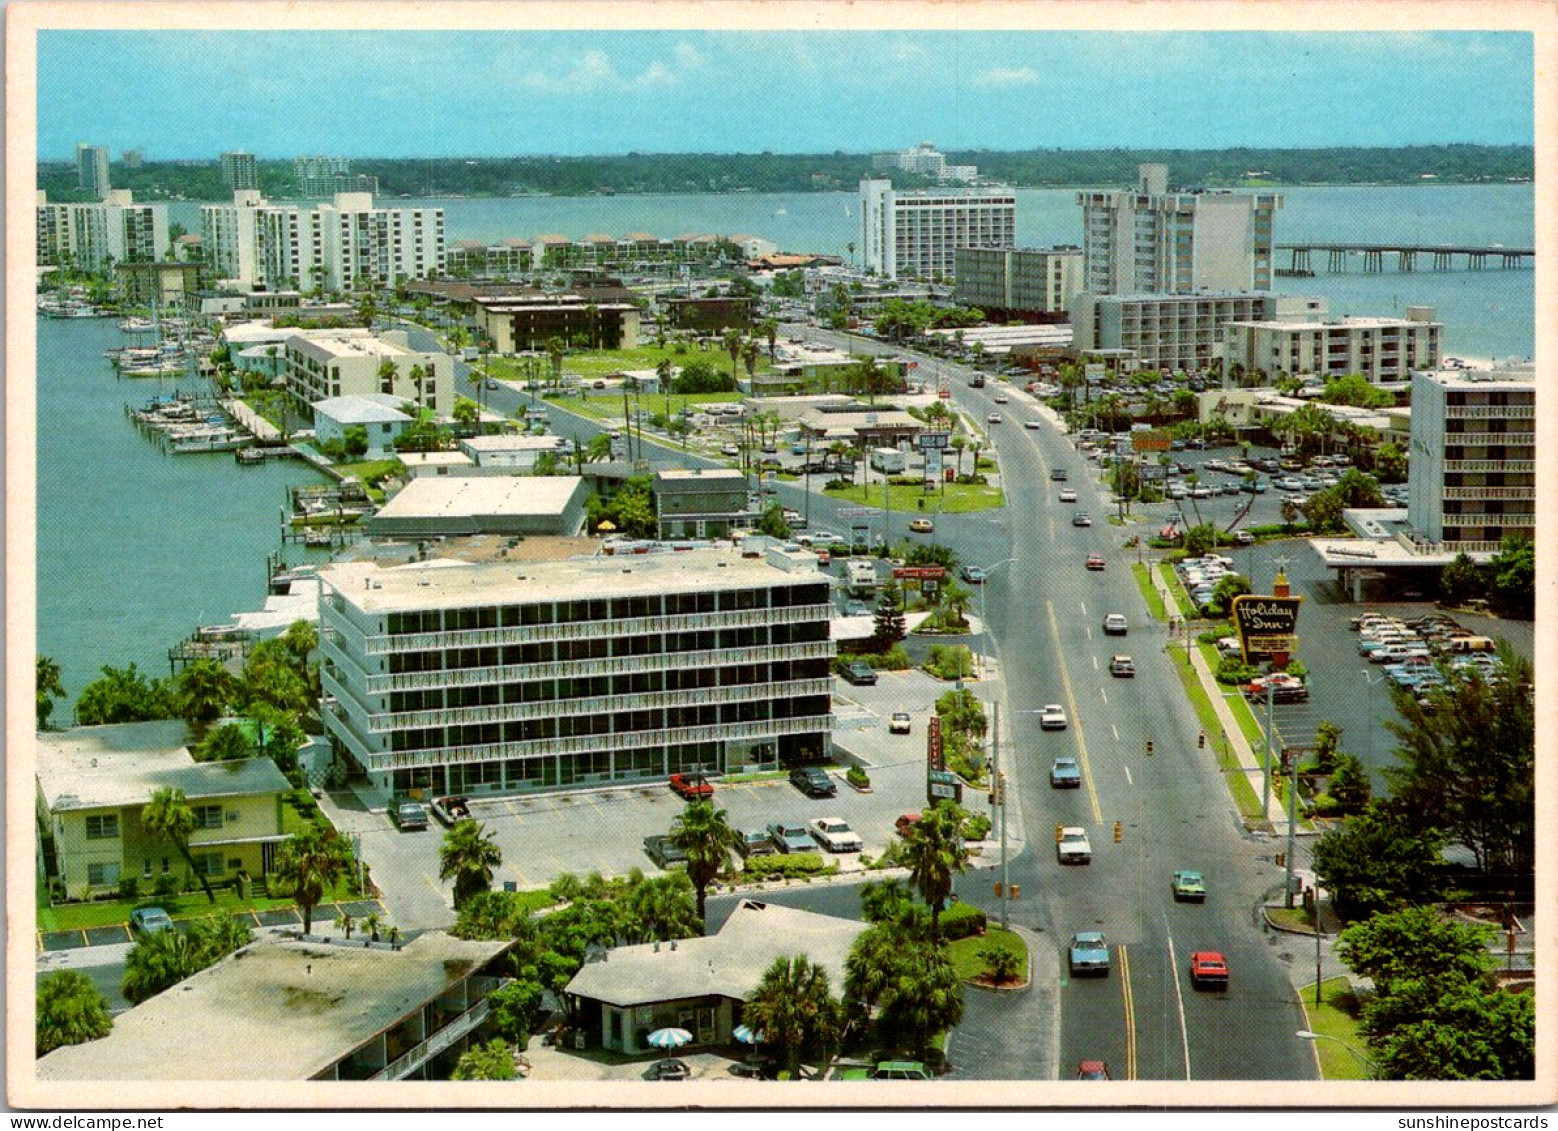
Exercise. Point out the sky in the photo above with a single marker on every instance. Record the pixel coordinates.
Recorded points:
(192, 94)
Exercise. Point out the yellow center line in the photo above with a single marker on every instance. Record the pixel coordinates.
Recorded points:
(1130, 1014)
(1071, 706)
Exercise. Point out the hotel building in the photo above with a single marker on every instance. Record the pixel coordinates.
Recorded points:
(92, 169)
(95, 236)
(1381, 349)
(322, 364)
(917, 233)
(239, 170)
(1177, 331)
(509, 677)
(1019, 281)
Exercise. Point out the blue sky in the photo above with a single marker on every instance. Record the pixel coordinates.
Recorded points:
(278, 94)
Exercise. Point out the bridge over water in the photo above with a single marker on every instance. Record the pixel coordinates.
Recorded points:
(1339, 257)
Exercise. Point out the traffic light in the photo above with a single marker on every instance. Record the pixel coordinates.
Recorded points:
(1149, 748)
(1201, 740)
(998, 889)
(1060, 831)
(1119, 832)
(1016, 892)
(1282, 859)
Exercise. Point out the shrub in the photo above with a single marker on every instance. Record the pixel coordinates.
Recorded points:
(977, 827)
(788, 866)
(949, 661)
(857, 777)
(1232, 669)
(960, 920)
(129, 888)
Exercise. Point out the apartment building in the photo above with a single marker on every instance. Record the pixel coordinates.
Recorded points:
(509, 677)
(925, 160)
(1472, 474)
(93, 782)
(97, 235)
(1381, 349)
(504, 259)
(1177, 331)
(1152, 240)
(323, 364)
(526, 322)
(1017, 281)
(240, 170)
(92, 169)
(328, 246)
(917, 233)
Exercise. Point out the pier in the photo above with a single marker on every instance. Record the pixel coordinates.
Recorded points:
(1438, 257)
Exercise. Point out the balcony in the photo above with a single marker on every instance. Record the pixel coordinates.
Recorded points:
(418, 1055)
(1490, 412)
(1489, 493)
(1463, 465)
(1490, 439)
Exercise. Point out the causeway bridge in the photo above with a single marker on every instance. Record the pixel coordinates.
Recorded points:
(1339, 257)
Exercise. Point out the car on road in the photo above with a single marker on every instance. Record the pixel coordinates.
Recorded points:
(754, 842)
(1189, 886)
(825, 537)
(1122, 666)
(905, 823)
(973, 575)
(663, 852)
(1032, 425)
(994, 418)
(856, 609)
(899, 723)
(789, 836)
(1067, 495)
(669, 1069)
(1081, 519)
(1244, 537)
(922, 526)
(149, 921)
(408, 814)
(1052, 716)
(1065, 773)
(813, 781)
(1058, 474)
(1073, 847)
(1089, 953)
(1208, 968)
(693, 787)
(1001, 398)
(491, 384)
(1095, 561)
(1093, 1070)
(834, 834)
(860, 672)
(1115, 624)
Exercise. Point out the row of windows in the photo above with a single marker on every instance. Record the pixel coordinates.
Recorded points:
(604, 609)
(105, 826)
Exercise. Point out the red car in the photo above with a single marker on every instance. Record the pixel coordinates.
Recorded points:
(1209, 968)
(694, 787)
(1095, 561)
(906, 823)
(1092, 1070)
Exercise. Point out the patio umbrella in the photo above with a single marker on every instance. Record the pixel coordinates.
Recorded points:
(669, 1038)
(745, 1035)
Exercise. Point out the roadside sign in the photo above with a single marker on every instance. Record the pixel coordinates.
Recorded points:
(919, 573)
(929, 440)
(943, 785)
(933, 745)
(1151, 440)
(1093, 371)
(1266, 624)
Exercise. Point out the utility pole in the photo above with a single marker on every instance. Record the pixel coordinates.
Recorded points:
(1000, 786)
(1265, 803)
(1292, 821)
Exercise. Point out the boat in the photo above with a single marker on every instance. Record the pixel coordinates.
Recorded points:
(316, 536)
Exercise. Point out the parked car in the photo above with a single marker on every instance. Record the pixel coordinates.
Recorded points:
(1095, 561)
(922, 526)
(1073, 846)
(1052, 716)
(408, 814)
(900, 1070)
(1094, 1069)
(1115, 624)
(899, 723)
(1122, 666)
(1065, 773)
(905, 823)
(860, 672)
(149, 921)
(789, 837)
(1189, 885)
(813, 781)
(1208, 968)
(449, 810)
(664, 853)
(973, 575)
(834, 834)
(754, 842)
(1244, 537)
(693, 787)
(1089, 953)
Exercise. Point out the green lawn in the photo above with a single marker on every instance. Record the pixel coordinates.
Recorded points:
(1336, 1017)
(1150, 595)
(1182, 599)
(186, 905)
(965, 953)
(1239, 786)
(951, 498)
(591, 364)
(756, 775)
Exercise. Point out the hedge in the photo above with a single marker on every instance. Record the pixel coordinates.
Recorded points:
(786, 866)
(960, 920)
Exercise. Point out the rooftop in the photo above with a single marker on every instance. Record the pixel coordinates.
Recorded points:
(282, 1008)
(364, 408)
(483, 495)
(357, 342)
(109, 767)
(510, 443)
(373, 588)
(1471, 379)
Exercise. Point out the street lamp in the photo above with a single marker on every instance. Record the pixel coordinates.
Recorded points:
(983, 631)
(1311, 1035)
(1371, 680)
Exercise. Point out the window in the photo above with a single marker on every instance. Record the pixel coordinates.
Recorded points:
(102, 875)
(208, 864)
(103, 827)
(208, 816)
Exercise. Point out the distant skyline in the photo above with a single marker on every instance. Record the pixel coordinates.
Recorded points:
(192, 94)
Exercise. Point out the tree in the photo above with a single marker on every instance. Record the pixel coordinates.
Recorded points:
(555, 349)
(491, 915)
(49, 676)
(732, 341)
(750, 353)
(354, 441)
(309, 864)
(157, 961)
(125, 695)
(466, 411)
(168, 816)
(702, 832)
(1378, 861)
(889, 626)
(1290, 512)
(1467, 763)
(1000, 963)
(794, 1009)
(769, 328)
(1226, 589)
(204, 689)
(698, 376)
(229, 743)
(1328, 740)
(1324, 508)
(771, 522)
(468, 856)
(935, 854)
(1350, 786)
(1390, 462)
(1355, 389)
(659, 909)
(1461, 580)
(1199, 539)
(908, 980)
(492, 1061)
(1513, 574)
(516, 1008)
(70, 1010)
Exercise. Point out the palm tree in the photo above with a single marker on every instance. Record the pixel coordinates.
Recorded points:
(925, 997)
(702, 833)
(732, 341)
(794, 1009)
(205, 688)
(935, 853)
(158, 961)
(388, 375)
(308, 864)
(555, 348)
(958, 444)
(750, 352)
(769, 328)
(49, 686)
(418, 376)
(468, 857)
(661, 908)
(70, 1010)
(167, 816)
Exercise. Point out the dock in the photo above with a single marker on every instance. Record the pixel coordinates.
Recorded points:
(1441, 257)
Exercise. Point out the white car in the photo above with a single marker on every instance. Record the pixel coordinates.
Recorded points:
(1052, 717)
(1032, 425)
(1073, 847)
(1001, 398)
(994, 418)
(1067, 495)
(1115, 625)
(834, 834)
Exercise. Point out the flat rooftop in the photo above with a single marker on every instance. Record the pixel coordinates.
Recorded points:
(510, 443)
(1358, 323)
(357, 342)
(440, 497)
(374, 588)
(278, 1009)
(123, 765)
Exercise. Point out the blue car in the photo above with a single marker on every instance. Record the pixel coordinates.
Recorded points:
(149, 921)
(1089, 953)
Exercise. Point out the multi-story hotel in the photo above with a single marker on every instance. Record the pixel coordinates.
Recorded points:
(95, 236)
(1018, 281)
(511, 677)
(1152, 240)
(92, 169)
(1381, 349)
(239, 170)
(925, 160)
(330, 246)
(528, 321)
(1177, 331)
(918, 233)
(1472, 475)
(323, 364)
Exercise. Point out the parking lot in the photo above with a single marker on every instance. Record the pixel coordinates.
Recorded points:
(543, 835)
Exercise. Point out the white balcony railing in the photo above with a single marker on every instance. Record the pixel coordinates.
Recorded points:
(419, 1054)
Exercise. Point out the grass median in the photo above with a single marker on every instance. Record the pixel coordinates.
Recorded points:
(1149, 594)
(949, 498)
(1336, 1017)
(1239, 785)
(971, 965)
(1186, 607)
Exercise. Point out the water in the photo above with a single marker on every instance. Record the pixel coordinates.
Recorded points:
(136, 547)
